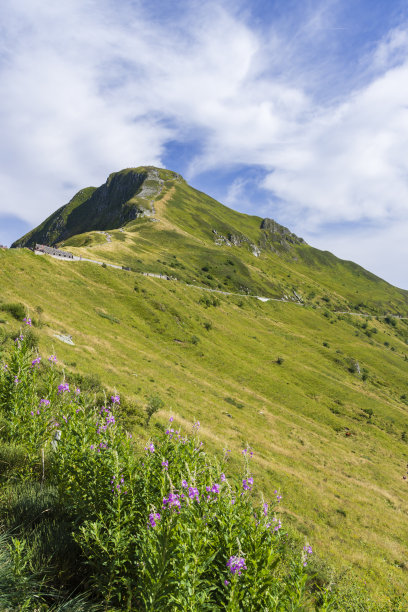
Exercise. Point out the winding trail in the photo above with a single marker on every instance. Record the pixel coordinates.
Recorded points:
(242, 295)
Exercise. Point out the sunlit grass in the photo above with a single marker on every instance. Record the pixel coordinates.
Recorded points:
(344, 491)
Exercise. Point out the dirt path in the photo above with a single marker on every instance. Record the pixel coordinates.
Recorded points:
(257, 297)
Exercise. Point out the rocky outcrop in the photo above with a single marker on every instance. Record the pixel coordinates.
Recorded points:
(125, 196)
(279, 232)
(238, 240)
(277, 238)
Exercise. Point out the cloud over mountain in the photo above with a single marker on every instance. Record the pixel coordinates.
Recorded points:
(92, 87)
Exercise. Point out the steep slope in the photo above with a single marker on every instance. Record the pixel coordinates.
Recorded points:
(178, 231)
(125, 196)
(321, 397)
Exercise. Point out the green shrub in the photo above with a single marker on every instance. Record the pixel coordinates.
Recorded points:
(12, 458)
(165, 528)
(234, 402)
(106, 315)
(17, 310)
(154, 404)
(209, 300)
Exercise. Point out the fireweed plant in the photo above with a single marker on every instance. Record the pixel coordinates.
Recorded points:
(163, 527)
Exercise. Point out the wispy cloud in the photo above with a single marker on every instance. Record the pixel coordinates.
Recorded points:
(91, 87)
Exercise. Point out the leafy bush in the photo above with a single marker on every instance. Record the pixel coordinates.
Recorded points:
(17, 310)
(234, 402)
(12, 459)
(209, 300)
(106, 315)
(166, 527)
(154, 404)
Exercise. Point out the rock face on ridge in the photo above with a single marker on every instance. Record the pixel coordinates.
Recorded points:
(278, 233)
(126, 195)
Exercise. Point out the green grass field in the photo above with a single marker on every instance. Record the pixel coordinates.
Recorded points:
(219, 364)
(321, 397)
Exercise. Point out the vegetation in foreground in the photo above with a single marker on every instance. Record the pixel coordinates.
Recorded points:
(331, 439)
(93, 522)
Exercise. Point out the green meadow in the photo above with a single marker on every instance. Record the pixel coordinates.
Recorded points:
(319, 394)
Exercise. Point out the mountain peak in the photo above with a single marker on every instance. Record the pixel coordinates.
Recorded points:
(125, 196)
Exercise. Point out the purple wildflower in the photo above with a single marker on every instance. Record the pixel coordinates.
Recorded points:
(63, 387)
(247, 483)
(215, 488)
(27, 321)
(171, 419)
(193, 493)
(165, 464)
(222, 477)
(307, 550)
(150, 447)
(265, 509)
(236, 565)
(52, 359)
(153, 517)
(44, 402)
(115, 399)
(35, 361)
(173, 500)
(77, 391)
(184, 484)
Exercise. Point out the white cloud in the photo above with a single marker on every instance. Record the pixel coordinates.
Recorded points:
(92, 87)
(383, 251)
(352, 164)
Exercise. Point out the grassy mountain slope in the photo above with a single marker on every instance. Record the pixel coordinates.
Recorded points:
(198, 240)
(321, 395)
(218, 363)
(159, 223)
(125, 196)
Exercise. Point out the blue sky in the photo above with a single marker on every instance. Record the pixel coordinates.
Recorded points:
(296, 110)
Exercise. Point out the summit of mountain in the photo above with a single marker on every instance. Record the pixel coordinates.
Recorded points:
(156, 222)
(126, 195)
